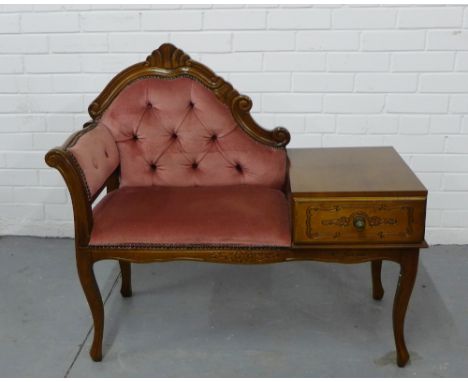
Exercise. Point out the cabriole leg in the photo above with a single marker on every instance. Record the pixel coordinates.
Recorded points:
(126, 288)
(377, 288)
(408, 269)
(93, 296)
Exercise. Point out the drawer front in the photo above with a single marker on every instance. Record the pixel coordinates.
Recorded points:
(354, 220)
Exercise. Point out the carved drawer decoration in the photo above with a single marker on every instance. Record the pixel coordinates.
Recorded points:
(352, 220)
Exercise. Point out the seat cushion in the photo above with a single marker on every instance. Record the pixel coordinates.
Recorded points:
(241, 215)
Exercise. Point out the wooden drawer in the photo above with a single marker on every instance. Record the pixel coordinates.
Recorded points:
(358, 220)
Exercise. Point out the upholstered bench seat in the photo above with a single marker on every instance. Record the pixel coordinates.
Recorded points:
(244, 215)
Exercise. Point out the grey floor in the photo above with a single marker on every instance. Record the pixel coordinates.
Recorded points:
(185, 319)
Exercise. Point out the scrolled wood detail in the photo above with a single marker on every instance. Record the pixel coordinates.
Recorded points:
(241, 106)
(93, 109)
(243, 103)
(281, 135)
(64, 162)
(169, 62)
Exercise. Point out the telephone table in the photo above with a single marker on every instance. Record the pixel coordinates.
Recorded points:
(351, 205)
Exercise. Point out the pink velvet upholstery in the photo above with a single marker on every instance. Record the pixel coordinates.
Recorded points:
(233, 215)
(177, 133)
(98, 156)
(188, 173)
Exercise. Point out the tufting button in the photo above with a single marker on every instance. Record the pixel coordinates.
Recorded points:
(149, 105)
(194, 165)
(238, 167)
(214, 137)
(135, 137)
(174, 135)
(191, 105)
(153, 166)
(106, 154)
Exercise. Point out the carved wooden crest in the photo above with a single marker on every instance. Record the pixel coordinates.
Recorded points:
(169, 62)
(168, 57)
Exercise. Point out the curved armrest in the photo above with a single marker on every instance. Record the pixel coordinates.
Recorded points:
(86, 161)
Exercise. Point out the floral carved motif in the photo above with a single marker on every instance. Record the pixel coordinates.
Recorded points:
(373, 221)
(246, 257)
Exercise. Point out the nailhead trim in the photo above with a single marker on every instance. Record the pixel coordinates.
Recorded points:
(82, 175)
(182, 246)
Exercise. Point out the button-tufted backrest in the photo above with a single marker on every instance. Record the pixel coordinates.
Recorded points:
(177, 133)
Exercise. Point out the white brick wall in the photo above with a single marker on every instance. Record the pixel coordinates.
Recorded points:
(334, 75)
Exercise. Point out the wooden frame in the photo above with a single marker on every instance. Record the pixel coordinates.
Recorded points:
(169, 62)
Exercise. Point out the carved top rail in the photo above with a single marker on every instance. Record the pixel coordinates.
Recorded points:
(169, 62)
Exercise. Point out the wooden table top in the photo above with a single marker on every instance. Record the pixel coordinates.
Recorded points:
(354, 171)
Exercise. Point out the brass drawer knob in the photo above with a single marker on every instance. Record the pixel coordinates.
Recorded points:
(359, 222)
